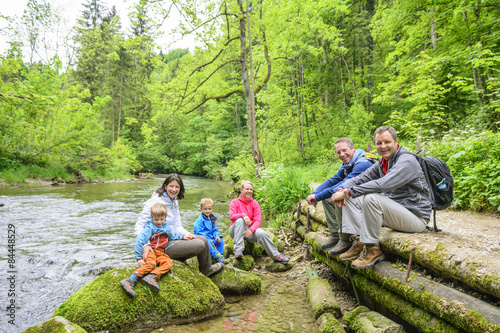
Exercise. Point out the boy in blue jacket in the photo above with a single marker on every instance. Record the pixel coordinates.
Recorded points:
(205, 226)
(157, 232)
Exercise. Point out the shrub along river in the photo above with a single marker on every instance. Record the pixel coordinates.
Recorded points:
(63, 236)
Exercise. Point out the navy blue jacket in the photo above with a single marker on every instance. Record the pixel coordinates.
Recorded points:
(356, 166)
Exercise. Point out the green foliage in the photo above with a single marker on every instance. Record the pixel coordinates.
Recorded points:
(474, 161)
(279, 188)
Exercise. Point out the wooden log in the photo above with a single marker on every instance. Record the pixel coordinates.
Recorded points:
(328, 324)
(321, 298)
(317, 213)
(466, 313)
(362, 319)
(313, 224)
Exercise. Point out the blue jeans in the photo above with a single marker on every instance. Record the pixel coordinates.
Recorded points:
(219, 247)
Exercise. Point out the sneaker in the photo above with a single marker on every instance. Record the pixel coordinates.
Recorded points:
(332, 241)
(151, 282)
(215, 268)
(354, 251)
(238, 254)
(369, 257)
(128, 284)
(282, 259)
(341, 247)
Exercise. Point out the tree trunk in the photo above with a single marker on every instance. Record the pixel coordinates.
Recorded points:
(249, 92)
(120, 107)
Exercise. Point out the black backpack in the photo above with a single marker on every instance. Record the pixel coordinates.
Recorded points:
(439, 180)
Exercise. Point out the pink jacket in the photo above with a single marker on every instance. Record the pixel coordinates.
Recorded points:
(241, 208)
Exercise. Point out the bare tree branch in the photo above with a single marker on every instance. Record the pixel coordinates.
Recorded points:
(11, 95)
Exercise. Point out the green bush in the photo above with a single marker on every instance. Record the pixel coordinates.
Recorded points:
(279, 188)
(474, 161)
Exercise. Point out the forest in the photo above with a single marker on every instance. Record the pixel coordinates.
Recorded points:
(270, 86)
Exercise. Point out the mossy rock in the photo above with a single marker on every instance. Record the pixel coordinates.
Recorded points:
(246, 263)
(185, 296)
(237, 282)
(278, 267)
(56, 324)
(328, 324)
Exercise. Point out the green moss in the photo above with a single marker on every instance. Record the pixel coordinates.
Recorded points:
(246, 263)
(55, 325)
(239, 283)
(438, 260)
(103, 304)
(351, 317)
(329, 324)
(454, 312)
(418, 318)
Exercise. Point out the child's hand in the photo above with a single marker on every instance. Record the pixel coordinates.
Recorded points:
(217, 239)
(188, 236)
(140, 262)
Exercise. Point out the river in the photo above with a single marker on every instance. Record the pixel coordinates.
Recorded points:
(62, 237)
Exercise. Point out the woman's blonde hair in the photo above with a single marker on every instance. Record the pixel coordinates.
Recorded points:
(246, 182)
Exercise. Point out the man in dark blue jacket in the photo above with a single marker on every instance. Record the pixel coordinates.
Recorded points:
(354, 162)
(394, 194)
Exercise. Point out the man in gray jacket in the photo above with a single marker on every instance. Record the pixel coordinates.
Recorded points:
(394, 193)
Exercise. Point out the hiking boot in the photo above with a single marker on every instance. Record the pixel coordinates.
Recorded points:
(215, 268)
(341, 247)
(281, 259)
(332, 241)
(369, 257)
(128, 284)
(151, 281)
(354, 251)
(238, 254)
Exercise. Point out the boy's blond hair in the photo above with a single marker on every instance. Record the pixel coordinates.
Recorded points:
(206, 201)
(158, 210)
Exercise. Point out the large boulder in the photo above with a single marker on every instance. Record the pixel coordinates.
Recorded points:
(233, 281)
(186, 295)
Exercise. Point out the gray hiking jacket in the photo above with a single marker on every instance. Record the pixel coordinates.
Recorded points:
(404, 183)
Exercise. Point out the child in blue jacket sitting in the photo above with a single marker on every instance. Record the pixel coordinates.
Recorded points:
(156, 233)
(205, 226)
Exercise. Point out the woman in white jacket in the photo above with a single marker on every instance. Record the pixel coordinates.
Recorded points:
(168, 194)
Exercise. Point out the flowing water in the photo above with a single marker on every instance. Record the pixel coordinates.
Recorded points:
(55, 239)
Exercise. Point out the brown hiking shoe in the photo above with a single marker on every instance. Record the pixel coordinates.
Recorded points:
(369, 257)
(354, 251)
